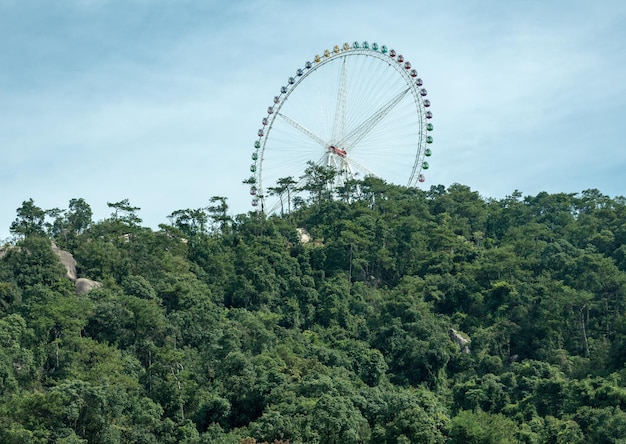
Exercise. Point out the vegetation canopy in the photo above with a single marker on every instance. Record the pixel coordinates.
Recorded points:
(372, 314)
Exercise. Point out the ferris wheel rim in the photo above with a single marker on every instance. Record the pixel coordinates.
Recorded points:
(397, 61)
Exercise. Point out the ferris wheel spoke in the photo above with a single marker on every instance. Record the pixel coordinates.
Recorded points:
(304, 130)
(357, 134)
(339, 124)
(353, 163)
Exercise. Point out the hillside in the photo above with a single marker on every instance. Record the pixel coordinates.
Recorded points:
(404, 316)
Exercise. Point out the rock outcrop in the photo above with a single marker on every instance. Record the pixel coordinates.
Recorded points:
(460, 340)
(68, 261)
(303, 236)
(84, 285)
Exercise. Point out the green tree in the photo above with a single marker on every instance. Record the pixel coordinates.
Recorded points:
(319, 181)
(30, 220)
(338, 421)
(284, 189)
(18, 366)
(218, 211)
(124, 213)
(32, 262)
(478, 427)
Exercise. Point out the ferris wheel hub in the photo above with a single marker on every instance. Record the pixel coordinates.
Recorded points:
(338, 151)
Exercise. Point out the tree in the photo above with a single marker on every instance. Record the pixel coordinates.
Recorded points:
(318, 181)
(218, 211)
(190, 222)
(78, 216)
(284, 185)
(32, 262)
(56, 227)
(338, 421)
(18, 366)
(70, 223)
(125, 213)
(30, 220)
(478, 427)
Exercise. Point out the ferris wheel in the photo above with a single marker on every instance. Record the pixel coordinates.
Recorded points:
(359, 108)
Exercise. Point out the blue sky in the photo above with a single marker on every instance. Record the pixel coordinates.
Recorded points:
(159, 101)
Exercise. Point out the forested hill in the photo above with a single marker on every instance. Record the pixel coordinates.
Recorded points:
(391, 316)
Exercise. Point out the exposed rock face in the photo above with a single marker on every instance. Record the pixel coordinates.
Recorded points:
(84, 285)
(67, 260)
(303, 235)
(460, 340)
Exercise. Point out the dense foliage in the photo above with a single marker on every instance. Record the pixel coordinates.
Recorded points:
(410, 316)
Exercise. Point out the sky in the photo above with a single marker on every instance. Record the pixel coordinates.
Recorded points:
(159, 101)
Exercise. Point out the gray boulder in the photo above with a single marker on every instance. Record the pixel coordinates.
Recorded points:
(84, 286)
(460, 340)
(68, 261)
